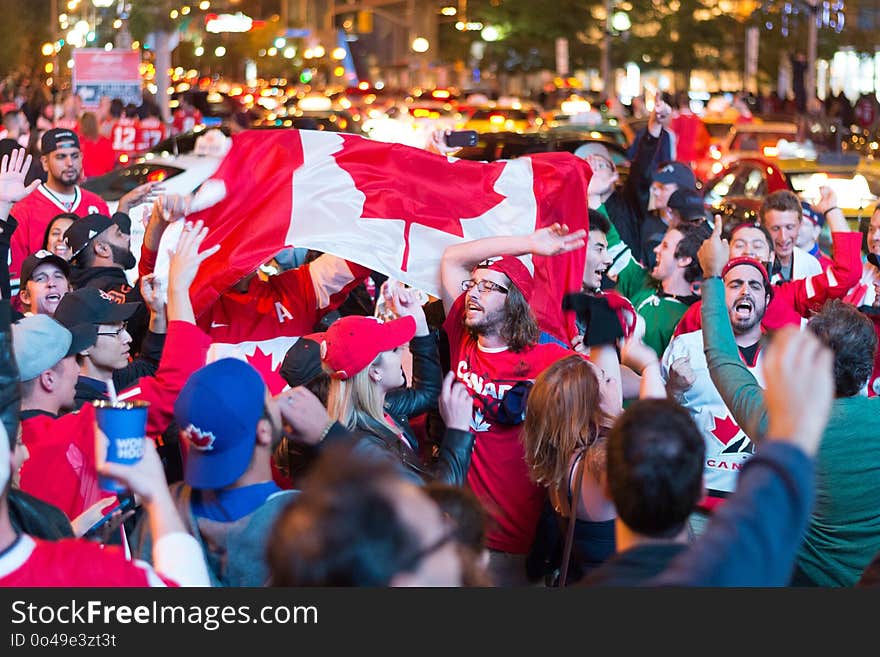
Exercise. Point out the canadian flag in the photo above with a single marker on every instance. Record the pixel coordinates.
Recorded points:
(389, 207)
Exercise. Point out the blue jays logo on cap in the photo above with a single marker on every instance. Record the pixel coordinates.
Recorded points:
(201, 440)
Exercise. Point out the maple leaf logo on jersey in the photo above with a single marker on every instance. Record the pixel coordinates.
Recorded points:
(201, 440)
(474, 195)
(725, 429)
(478, 424)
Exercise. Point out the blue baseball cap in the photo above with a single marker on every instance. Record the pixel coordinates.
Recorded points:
(218, 411)
(816, 217)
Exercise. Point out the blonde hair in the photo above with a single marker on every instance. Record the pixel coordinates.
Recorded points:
(358, 402)
(563, 416)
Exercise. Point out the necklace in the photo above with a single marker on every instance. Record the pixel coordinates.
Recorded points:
(67, 206)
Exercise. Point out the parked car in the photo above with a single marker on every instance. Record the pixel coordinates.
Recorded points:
(509, 145)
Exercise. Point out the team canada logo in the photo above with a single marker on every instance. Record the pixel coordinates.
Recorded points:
(201, 440)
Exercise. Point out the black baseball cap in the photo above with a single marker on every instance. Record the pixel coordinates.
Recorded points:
(675, 172)
(89, 305)
(58, 138)
(85, 229)
(302, 362)
(688, 202)
(42, 257)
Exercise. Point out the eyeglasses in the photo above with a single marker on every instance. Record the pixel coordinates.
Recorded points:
(483, 286)
(116, 333)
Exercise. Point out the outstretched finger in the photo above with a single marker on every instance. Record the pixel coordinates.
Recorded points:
(446, 388)
(4, 164)
(26, 164)
(207, 253)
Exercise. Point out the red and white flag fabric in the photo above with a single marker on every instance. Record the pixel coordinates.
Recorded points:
(389, 207)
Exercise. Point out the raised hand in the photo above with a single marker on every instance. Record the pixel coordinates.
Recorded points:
(456, 404)
(13, 171)
(186, 258)
(827, 200)
(145, 193)
(304, 416)
(681, 375)
(555, 239)
(714, 252)
(404, 301)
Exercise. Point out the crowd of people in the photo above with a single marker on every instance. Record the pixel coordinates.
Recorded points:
(710, 421)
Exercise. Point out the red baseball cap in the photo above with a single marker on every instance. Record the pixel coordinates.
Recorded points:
(515, 270)
(745, 260)
(353, 342)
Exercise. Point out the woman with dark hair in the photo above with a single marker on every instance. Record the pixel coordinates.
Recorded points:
(53, 238)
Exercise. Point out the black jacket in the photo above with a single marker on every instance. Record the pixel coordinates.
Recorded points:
(113, 280)
(10, 396)
(89, 390)
(374, 439)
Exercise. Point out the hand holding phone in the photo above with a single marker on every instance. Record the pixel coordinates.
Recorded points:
(461, 138)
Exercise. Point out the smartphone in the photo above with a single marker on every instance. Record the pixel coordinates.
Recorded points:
(461, 138)
(126, 503)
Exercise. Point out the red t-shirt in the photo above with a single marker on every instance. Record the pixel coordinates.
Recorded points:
(98, 156)
(498, 474)
(74, 563)
(123, 136)
(186, 121)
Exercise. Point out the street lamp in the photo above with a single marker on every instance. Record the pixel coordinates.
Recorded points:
(420, 44)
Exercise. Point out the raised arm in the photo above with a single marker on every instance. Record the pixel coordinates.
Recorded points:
(737, 386)
(459, 259)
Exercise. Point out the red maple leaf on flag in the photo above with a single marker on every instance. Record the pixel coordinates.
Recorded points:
(262, 362)
(457, 190)
(725, 429)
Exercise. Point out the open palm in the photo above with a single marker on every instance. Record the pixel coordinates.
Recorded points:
(13, 171)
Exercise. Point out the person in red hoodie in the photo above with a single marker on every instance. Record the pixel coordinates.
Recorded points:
(61, 467)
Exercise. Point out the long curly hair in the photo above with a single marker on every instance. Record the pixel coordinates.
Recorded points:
(563, 416)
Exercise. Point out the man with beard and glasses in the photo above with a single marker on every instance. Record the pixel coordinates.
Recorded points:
(228, 501)
(100, 248)
(493, 349)
(747, 292)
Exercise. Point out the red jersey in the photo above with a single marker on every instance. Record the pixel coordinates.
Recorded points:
(123, 136)
(186, 121)
(150, 132)
(61, 467)
(73, 563)
(260, 325)
(498, 474)
(35, 211)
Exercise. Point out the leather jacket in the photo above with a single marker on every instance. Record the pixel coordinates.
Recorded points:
(372, 438)
(10, 395)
